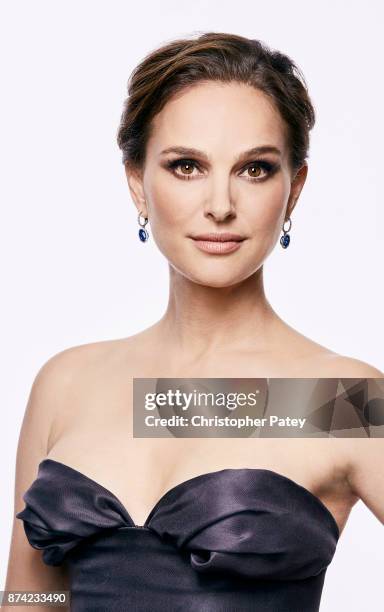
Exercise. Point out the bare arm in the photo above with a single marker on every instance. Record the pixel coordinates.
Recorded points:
(366, 473)
(26, 569)
(365, 456)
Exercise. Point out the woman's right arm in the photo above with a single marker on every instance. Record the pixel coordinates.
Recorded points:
(26, 569)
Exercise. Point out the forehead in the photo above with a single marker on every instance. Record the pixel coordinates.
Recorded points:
(218, 116)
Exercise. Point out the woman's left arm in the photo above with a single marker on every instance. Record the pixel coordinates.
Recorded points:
(366, 473)
(364, 456)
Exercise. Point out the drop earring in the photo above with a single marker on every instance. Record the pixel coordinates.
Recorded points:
(143, 234)
(285, 238)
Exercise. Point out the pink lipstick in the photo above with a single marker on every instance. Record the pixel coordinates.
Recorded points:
(218, 243)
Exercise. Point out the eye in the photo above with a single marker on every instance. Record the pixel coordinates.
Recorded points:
(259, 170)
(186, 164)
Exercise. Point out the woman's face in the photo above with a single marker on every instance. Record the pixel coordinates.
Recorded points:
(201, 176)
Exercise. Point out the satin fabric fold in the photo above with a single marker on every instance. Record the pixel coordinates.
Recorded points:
(234, 539)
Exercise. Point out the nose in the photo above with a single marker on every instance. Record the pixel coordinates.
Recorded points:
(219, 204)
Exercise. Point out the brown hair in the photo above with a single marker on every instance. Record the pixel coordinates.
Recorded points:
(214, 56)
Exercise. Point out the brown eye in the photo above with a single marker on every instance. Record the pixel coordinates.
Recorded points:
(258, 171)
(188, 166)
(183, 168)
(254, 170)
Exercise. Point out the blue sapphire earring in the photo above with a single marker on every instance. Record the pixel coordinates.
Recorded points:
(285, 238)
(143, 234)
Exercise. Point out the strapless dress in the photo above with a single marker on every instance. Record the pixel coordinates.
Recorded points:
(233, 540)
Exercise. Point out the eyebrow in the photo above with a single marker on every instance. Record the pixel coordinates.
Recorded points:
(240, 157)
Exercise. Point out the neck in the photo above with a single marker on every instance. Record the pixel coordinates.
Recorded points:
(200, 319)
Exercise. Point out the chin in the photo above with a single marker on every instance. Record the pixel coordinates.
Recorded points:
(213, 279)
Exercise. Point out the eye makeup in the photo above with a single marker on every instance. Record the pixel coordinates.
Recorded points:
(267, 168)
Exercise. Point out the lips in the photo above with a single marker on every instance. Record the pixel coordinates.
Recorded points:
(219, 237)
(218, 243)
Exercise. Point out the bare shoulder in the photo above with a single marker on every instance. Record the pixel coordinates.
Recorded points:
(60, 370)
(312, 359)
(60, 375)
(79, 365)
(333, 365)
(67, 363)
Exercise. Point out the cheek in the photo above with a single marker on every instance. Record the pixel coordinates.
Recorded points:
(268, 205)
(171, 214)
(170, 203)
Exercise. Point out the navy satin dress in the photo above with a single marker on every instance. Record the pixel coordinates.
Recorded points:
(232, 540)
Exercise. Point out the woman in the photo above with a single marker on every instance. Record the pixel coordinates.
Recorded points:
(215, 135)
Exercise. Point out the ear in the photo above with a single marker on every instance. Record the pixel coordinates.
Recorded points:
(135, 184)
(297, 184)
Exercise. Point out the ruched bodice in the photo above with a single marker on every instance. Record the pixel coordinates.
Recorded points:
(225, 541)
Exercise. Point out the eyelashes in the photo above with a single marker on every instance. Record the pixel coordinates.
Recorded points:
(266, 167)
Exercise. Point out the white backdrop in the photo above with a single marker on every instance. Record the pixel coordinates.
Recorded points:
(73, 269)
